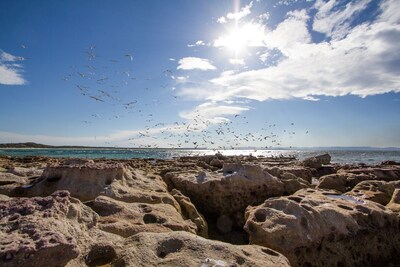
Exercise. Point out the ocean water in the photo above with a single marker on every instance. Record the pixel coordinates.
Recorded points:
(338, 156)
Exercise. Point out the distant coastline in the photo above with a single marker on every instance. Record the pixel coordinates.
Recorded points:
(32, 145)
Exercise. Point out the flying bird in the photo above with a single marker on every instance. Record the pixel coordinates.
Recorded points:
(129, 56)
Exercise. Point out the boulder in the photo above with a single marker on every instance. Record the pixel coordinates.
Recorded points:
(317, 161)
(84, 181)
(313, 163)
(216, 163)
(377, 191)
(228, 192)
(126, 219)
(333, 181)
(323, 228)
(299, 171)
(186, 249)
(325, 170)
(325, 159)
(293, 183)
(47, 231)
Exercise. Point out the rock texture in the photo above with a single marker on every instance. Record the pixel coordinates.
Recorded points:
(185, 249)
(394, 204)
(190, 211)
(225, 193)
(46, 231)
(377, 191)
(126, 219)
(84, 181)
(153, 212)
(323, 228)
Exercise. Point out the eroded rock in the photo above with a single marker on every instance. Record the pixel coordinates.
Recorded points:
(190, 211)
(46, 231)
(377, 191)
(185, 249)
(126, 219)
(225, 193)
(323, 228)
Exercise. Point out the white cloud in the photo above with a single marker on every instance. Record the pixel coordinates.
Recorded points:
(212, 112)
(390, 11)
(221, 20)
(10, 72)
(263, 17)
(191, 63)
(10, 76)
(363, 61)
(237, 61)
(171, 59)
(198, 43)
(289, 34)
(246, 10)
(333, 20)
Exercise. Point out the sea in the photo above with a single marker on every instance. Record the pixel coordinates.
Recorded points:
(342, 156)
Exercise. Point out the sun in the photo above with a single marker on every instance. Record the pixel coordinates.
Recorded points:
(236, 40)
(239, 38)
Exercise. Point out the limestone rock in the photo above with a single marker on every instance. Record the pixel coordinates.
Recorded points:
(34, 230)
(313, 163)
(292, 183)
(298, 171)
(326, 170)
(322, 228)
(317, 161)
(126, 219)
(394, 204)
(228, 192)
(384, 173)
(25, 172)
(185, 249)
(4, 198)
(377, 191)
(85, 181)
(325, 159)
(189, 211)
(216, 163)
(333, 181)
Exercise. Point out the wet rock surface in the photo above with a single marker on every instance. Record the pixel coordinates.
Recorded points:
(148, 212)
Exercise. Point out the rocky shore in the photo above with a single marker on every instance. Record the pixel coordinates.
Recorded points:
(198, 211)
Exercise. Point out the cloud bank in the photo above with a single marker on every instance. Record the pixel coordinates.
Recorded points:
(359, 59)
(10, 69)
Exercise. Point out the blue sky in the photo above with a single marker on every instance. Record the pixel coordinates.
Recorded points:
(200, 73)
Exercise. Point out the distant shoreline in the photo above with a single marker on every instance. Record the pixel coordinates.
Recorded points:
(31, 145)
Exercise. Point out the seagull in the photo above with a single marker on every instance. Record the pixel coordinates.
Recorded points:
(129, 56)
(96, 98)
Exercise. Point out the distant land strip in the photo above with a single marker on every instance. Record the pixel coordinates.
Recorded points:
(28, 145)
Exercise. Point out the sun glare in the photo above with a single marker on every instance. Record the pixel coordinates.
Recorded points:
(236, 40)
(239, 38)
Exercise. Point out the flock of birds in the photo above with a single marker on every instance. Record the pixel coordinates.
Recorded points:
(108, 84)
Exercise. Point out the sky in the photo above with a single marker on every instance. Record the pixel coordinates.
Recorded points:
(216, 74)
